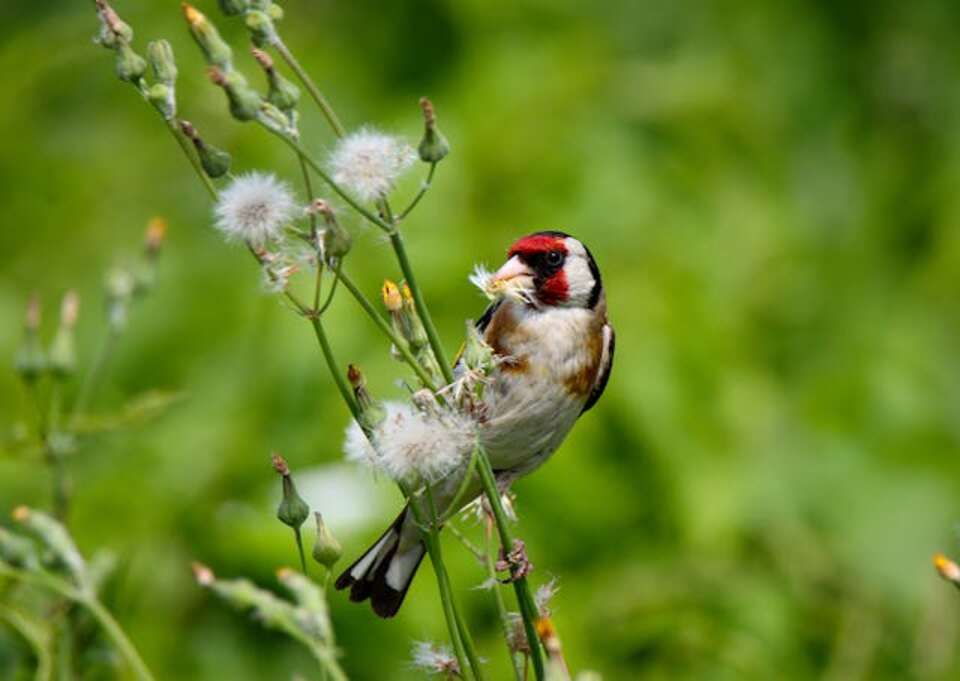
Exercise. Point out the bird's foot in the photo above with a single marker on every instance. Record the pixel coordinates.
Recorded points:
(515, 562)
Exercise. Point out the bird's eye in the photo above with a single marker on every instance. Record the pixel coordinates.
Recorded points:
(554, 258)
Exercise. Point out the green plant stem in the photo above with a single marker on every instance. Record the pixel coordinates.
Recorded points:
(81, 597)
(517, 661)
(419, 195)
(299, 541)
(308, 83)
(192, 157)
(29, 632)
(56, 459)
(338, 378)
(401, 344)
(528, 609)
(396, 240)
(465, 636)
(461, 492)
(92, 377)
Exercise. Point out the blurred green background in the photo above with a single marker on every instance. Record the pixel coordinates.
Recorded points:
(770, 190)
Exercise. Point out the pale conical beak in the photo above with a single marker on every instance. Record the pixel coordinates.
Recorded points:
(514, 268)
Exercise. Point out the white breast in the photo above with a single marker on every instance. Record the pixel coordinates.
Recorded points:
(530, 410)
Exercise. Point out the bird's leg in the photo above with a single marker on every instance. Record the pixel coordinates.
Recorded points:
(515, 562)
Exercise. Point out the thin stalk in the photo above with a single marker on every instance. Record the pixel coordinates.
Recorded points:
(430, 539)
(29, 633)
(455, 504)
(517, 661)
(338, 378)
(58, 465)
(398, 342)
(299, 540)
(342, 193)
(192, 157)
(419, 195)
(401, 252)
(92, 378)
(528, 609)
(311, 87)
(467, 639)
(320, 309)
(106, 621)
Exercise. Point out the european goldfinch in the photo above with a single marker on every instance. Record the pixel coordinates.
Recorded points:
(554, 345)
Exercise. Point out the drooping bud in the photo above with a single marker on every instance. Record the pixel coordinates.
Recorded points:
(326, 548)
(244, 100)
(282, 93)
(63, 351)
(433, 146)
(372, 412)
(130, 65)
(336, 240)
(418, 334)
(260, 25)
(215, 161)
(232, 7)
(215, 49)
(293, 510)
(120, 285)
(160, 56)
(30, 361)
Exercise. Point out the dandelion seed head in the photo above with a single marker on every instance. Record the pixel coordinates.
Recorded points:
(435, 658)
(254, 208)
(368, 163)
(412, 445)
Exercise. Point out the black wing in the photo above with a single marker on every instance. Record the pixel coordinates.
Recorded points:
(604, 374)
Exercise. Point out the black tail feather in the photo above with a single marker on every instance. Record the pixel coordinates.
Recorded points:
(371, 582)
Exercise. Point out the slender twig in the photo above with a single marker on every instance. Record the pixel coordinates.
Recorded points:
(396, 240)
(89, 601)
(338, 378)
(308, 83)
(419, 195)
(467, 640)
(518, 662)
(399, 343)
(528, 609)
(92, 377)
(29, 632)
(465, 484)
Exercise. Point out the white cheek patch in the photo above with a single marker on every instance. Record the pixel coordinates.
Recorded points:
(579, 280)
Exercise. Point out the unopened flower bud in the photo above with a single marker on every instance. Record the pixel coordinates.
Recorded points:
(284, 123)
(30, 361)
(215, 161)
(120, 286)
(163, 100)
(434, 146)
(232, 7)
(336, 240)
(372, 412)
(261, 28)
(244, 101)
(275, 11)
(392, 300)
(130, 65)
(160, 56)
(326, 548)
(282, 93)
(63, 351)
(114, 31)
(947, 568)
(293, 510)
(215, 48)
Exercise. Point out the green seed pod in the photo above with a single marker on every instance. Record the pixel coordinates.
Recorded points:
(243, 100)
(232, 7)
(130, 65)
(30, 361)
(215, 162)
(261, 28)
(326, 548)
(372, 412)
(215, 48)
(160, 56)
(63, 350)
(434, 146)
(275, 11)
(282, 94)
(293, 510)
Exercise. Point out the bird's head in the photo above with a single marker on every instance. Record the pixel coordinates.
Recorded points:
(551, 269)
